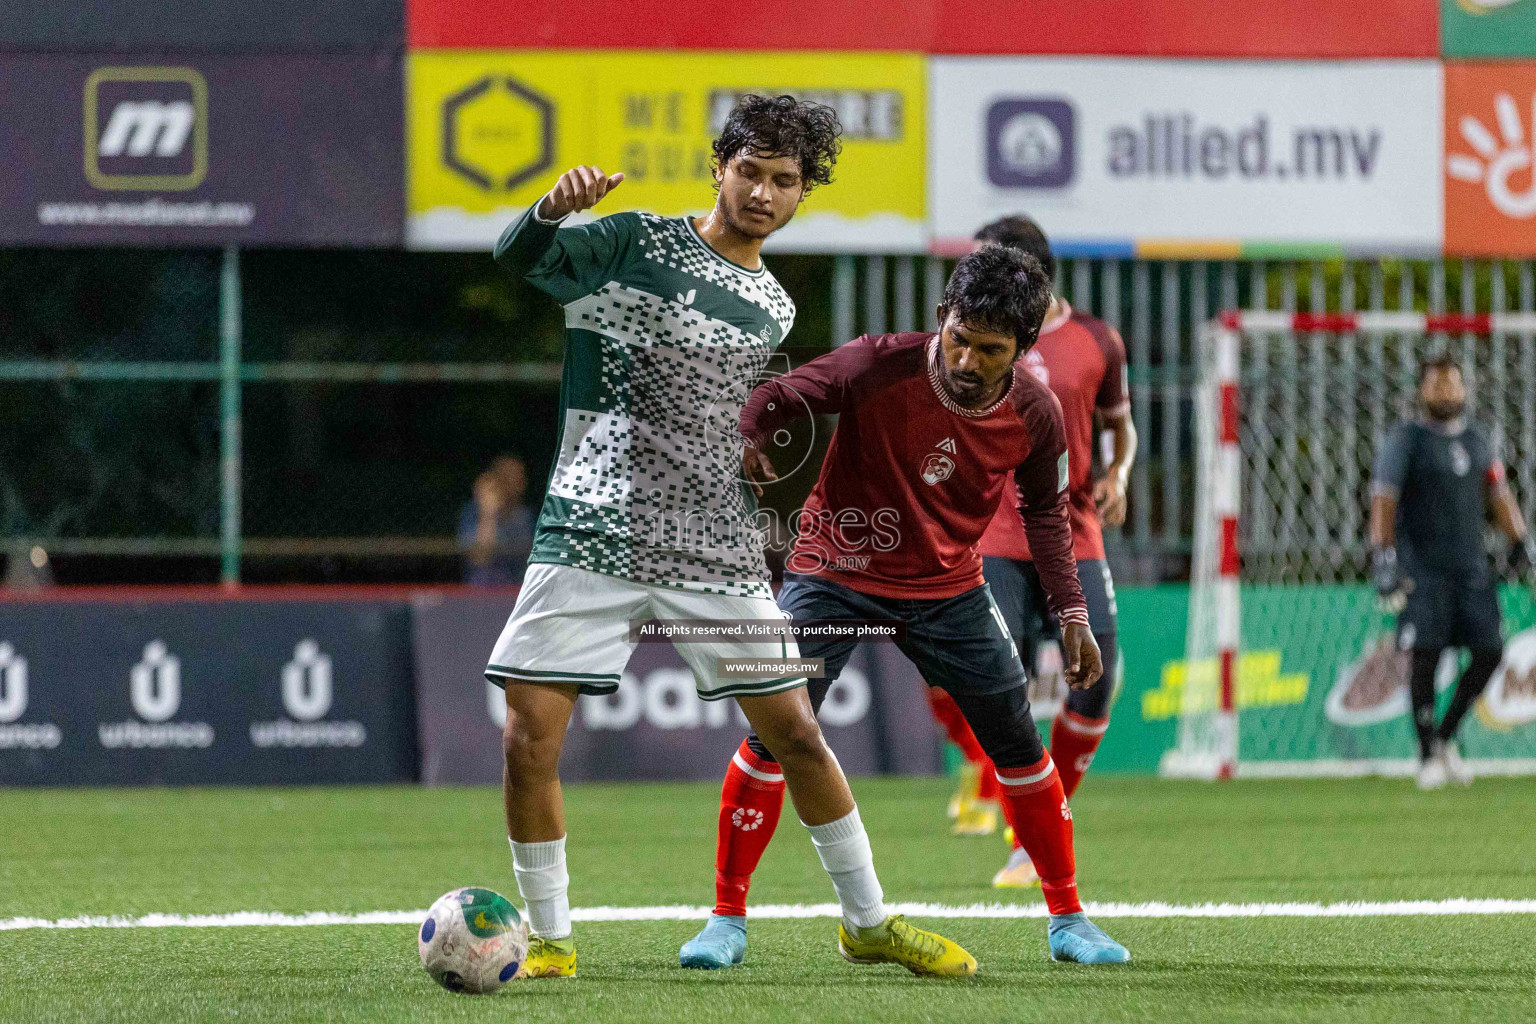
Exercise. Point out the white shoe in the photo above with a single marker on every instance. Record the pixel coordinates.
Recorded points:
(1432, 773)
(1455, 767)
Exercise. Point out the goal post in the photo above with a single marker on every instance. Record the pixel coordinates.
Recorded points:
(1291, 666)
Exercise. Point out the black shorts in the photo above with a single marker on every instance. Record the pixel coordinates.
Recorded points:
(1441, 613)
(1016, 586)
(958, 643)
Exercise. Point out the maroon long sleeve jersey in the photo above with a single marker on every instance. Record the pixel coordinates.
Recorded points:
(911, 478)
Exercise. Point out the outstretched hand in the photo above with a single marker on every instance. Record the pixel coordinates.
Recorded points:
(579, 188)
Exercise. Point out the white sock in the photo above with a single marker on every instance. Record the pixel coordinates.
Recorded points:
(843, 847)
(543, 882)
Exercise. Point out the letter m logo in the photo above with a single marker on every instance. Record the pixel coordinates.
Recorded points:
(146, 128)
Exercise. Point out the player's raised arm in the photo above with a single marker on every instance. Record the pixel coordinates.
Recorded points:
(577, 261)
(1042, 485)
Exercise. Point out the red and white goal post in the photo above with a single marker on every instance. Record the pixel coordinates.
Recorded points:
(1291, 666)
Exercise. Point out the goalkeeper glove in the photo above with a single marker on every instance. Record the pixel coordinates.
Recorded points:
(1385, 573)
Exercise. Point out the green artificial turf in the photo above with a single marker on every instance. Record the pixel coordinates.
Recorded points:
(130, 852)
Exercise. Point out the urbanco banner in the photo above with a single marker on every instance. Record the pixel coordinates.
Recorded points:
(193, 693)
(1127, 157)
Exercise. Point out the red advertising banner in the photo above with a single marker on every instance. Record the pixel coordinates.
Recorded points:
(1165, 28)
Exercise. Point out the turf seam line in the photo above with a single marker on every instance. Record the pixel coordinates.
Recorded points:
(255, 918)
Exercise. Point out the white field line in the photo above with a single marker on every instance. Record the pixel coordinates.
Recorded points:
(256, 918)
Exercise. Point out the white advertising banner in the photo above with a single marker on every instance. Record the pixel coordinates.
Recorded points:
(1121, 156)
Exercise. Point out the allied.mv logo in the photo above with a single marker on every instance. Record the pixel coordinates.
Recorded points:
(146, 128)
(1031, 143)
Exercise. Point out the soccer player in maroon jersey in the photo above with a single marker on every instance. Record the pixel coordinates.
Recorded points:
(931, 429)
(1082, 360)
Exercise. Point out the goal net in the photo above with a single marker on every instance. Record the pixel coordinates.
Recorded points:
(1291, 665)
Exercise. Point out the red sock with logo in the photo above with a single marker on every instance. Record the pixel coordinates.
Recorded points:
(1037, 809)
(1073, 742)
(948, 714)
(751, 801)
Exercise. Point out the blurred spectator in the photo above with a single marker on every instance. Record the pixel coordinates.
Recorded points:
(27, 568)
(496, 527)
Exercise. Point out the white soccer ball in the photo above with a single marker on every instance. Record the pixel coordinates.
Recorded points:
(473, 940)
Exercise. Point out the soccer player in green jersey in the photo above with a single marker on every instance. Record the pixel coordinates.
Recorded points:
(669, 322)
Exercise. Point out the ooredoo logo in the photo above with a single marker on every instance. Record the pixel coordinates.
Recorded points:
(1490, 165)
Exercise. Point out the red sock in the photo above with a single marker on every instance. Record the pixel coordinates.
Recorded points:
(1037, 809)
(750, 803)
(1073, 741)
(948, 714)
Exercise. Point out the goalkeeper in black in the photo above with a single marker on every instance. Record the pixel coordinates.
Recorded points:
(1438, 479)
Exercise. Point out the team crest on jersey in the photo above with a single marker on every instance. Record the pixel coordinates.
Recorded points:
(1460, 460)
(937, 468)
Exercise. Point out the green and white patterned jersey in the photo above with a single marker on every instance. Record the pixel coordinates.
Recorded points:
(665, 339)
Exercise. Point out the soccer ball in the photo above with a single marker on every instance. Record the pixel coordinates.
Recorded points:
(473, 940)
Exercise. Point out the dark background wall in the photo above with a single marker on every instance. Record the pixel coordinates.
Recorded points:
(154, 25)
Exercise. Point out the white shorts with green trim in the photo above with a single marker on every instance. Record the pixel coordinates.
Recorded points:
(572, 626)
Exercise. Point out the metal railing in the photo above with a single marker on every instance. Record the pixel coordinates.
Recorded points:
(1157, 305)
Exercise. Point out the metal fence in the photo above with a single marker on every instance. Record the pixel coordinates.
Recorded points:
(1157, 305)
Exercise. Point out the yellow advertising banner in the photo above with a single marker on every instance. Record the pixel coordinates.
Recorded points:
(489, 131)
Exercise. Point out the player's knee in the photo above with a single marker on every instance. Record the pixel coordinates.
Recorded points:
(1004, 727)
(530, 751)
(795, 739)
(758, 747)
(1094, 701)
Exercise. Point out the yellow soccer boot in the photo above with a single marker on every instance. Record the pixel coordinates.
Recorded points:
(893, 941)
(550, 958)
(965, 791)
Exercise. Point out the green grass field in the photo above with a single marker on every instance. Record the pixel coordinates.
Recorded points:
(132, 852)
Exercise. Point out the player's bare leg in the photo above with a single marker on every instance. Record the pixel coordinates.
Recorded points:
(537, 717)
(867, 934)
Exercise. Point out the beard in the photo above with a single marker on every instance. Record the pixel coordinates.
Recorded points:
(1444, 412)
(966, 388)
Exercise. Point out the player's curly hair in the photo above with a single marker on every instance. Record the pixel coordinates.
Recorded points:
(783, 126)
(1000, 289)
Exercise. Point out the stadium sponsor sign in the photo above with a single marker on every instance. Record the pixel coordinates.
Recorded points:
(492, 130)
(654, 726)
(1488, 28)
(205, 692)
(1164, 158)
(200, 149)
(1171, 28)
(1490, 195)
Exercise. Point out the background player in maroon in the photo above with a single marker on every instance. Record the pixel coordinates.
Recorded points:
(931, 428)
(1082, 360)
